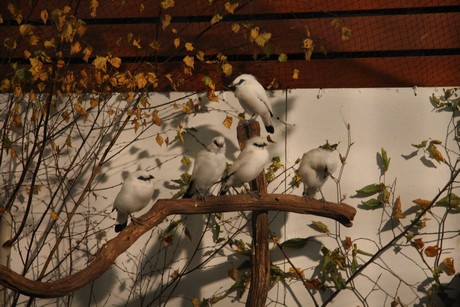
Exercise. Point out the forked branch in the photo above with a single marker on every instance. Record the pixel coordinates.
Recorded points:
(160, 210)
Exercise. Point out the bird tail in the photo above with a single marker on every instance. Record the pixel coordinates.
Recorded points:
(310, 192)
(190, 191)
(268, 122)
(120, 227)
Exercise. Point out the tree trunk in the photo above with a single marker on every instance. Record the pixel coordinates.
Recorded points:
(5, 252)
(260, 254)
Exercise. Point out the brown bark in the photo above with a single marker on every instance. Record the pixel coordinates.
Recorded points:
(160, 210)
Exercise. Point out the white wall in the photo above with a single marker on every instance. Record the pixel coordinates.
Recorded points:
(390, 118)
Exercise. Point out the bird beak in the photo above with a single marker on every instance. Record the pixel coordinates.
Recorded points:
(231, 85)
(151, 177)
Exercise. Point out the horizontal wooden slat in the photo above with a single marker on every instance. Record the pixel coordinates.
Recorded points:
(338, 73)
(411, 32)
(132, 8)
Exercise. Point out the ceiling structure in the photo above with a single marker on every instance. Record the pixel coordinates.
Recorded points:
(354, 44)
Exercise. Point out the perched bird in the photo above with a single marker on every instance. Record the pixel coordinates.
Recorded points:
(315, 167)
(208, 168)
(253, 99)
(134, 195)
(248, 165)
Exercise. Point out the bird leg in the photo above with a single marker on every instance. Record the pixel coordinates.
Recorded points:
(135, 220)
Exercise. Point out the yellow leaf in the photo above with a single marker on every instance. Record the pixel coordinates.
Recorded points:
(87, 53)
(227, 69)
(152, 78)
(100, 63)
(449, 266)
(176, 42)
(136, 43)
(27, 54)
(216, 18)
(254, 33)
(346, 33)
(54, 216)
(115, 62)
(93, 8)
(68, 141)
(235, 27)
(141, 80)
(5, 86)
(94, 102)
(422, 203)
(44, 16)
(263, 38)
(155, 45)
(166, 4)
(34, 40)
(189, 61)
(397, 212)
(432, 251)
(159, 139)
(75, 48)
(156, 118)
(230, 6)
(200, 55)
(294, 273)
(189, 46)
(49, 43)
(26, 29)
(295, 74)
(141, 8)
(228, 122)
(196, 302)
(18, 91)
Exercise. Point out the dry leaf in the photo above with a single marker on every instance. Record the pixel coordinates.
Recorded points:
(432, 251)
(93, 8)
(189, 61)
(87, 53)
(419, 244)
(296, 272)
(54, 216)
(449, 266)
(26, 29)
(75, 48)
(346, 33)
(159, 139)
(397, 212)
(230, 6)
(295, 74)
(165, 21)
(137, 43)
(216, 18)
(189, 46)
(227, 69)
(347, 244)
(228, 122)
(44, 16)
(100, 63)
(235, 27)
(166, 4)
(422, 203)
(115, 61)
(176, 42)
(233, 273)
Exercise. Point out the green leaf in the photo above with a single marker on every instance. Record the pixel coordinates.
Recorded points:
(450, 201)
(371, 204)
(296, 243)
(385, 160)
(421, 145)
(282, 57)
(370, 190)
(319, 226)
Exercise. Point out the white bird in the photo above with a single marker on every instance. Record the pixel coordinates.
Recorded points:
(315, 168)
(208, 168)
(136, 192)
(253, 99)
(248, 165)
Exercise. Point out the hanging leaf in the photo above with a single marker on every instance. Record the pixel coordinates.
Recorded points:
(177, 42)
(435, 154)
(189, 61)
(115, 61)
(93, 8)
(346, 33)
(75, 48)
(449, 266)
(385, 160)
(371, 204)
(296, 243)
(421, 145)
(347, 244)
(227, 69)
(422, 203)
(370, 190)
(156, 118)
(431, 251)
(230, 6)
(235, 28)
(295, 74)
(167, 4)
(100, 63)
(320, 227)
(54, 216)
(189, 46)
(215, 19)
(296, 273)
(44, 16)
(228, 122)
(397, 212)
(282, 57)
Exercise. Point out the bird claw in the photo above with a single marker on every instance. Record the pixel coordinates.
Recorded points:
(136, 221)
(254, 194)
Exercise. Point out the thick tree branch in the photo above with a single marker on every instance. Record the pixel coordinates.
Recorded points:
(160, 210)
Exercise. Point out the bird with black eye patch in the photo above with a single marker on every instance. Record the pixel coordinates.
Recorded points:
(136, 192)
(253, 99)
(248, 165)
(316, 166)
(208, 168)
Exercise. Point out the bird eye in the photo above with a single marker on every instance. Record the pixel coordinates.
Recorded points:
(241, 81)
(217, 143)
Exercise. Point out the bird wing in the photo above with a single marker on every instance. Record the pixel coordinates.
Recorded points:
(261, 94)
